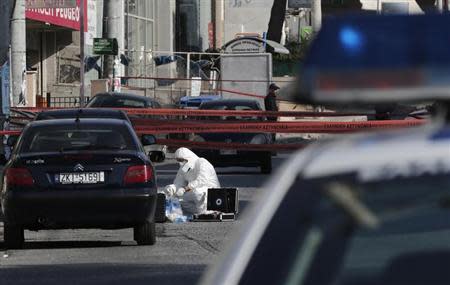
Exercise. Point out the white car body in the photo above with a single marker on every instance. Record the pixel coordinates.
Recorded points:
(403, 153)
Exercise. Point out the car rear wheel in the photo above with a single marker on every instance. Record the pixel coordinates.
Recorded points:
(266, 164)
(145, 234)
(13, 236)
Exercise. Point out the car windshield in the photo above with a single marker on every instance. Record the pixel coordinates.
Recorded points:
(72, 138)
(230, 107)
(116, 102)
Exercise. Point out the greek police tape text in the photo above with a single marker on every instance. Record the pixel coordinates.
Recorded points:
(214, 113)
(221, 145)
(276, 127)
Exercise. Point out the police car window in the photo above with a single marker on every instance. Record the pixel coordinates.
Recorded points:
(54, 139)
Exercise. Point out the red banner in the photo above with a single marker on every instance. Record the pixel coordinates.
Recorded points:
(64, 17)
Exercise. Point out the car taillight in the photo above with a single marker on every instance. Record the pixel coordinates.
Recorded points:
(19, 177)
(138, 174)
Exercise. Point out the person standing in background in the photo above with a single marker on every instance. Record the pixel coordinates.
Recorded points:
(270, 101)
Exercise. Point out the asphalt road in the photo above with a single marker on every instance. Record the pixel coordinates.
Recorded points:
(180, 256)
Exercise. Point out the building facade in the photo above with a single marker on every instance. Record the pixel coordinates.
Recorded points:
(53, 45)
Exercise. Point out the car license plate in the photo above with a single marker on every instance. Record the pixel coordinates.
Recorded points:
(228, 152)
(81, 178)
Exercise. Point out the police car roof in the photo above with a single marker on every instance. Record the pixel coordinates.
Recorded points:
(406, 152)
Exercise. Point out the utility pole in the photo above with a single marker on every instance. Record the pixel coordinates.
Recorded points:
(219, 22)
(316, 15)
(18, 54)
(82, 8)
(111, 30)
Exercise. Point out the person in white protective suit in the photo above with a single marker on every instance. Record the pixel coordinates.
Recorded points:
(191, 184)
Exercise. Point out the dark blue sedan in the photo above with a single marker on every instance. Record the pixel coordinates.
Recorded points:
(79, 173)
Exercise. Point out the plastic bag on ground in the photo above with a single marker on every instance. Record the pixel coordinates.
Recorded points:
(174, 213)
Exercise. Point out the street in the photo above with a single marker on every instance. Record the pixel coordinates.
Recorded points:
(180, 255)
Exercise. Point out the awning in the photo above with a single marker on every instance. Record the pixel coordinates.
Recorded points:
(277, 48)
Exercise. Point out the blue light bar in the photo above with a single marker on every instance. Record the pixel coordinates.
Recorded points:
(378, 59)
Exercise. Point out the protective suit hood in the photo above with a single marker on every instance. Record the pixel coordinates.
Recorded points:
(184, 153)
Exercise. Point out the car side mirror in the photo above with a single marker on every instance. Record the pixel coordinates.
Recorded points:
(12, 140)
(156, 156)
(148, 140)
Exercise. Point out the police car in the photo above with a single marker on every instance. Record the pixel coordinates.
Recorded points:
(347, 211)
(366, 208)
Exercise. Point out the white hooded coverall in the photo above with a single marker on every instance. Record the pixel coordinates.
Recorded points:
(196, 174)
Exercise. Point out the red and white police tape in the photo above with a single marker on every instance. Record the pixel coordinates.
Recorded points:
(274, 127)
(237, 146)
(163, 125)
(214, 113)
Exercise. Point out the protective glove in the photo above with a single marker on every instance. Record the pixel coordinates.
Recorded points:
(180, 192)
(170, 190)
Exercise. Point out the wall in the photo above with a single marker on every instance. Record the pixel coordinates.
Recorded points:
(372, 5)
(249, 16)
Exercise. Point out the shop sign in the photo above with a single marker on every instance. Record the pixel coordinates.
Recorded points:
(59, 16)
(40, 4)
(106, 46)
(246, 46)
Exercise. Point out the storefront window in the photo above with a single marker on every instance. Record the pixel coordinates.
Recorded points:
(139, 22)
(139, 42)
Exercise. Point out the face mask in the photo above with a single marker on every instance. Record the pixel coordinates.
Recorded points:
(186, 167)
